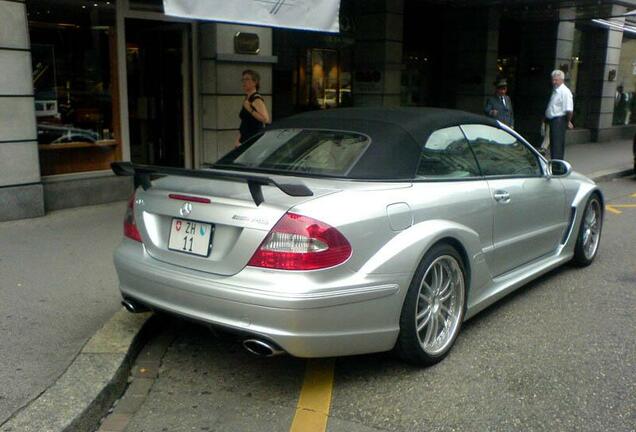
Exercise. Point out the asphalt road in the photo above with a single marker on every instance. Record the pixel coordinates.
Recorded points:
(557, 355)
(57, 287)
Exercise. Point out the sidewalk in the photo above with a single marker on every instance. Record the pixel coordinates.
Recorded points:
(58, 287)
(96, 375)
(599, 160)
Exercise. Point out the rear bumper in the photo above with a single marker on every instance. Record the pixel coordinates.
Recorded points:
(351, 316)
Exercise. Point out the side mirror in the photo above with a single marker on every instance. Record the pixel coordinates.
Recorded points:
(559, 168)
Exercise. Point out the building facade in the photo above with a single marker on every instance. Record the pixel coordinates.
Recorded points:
(83, 84)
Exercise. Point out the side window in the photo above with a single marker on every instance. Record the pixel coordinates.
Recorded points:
(447, 155)
(500, 153)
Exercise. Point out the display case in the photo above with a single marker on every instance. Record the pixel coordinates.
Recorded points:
(73, 48)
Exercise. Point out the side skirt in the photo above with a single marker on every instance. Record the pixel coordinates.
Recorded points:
(505, 284)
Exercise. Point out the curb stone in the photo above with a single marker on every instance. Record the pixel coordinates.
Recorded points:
(599, 176)
(86, 390)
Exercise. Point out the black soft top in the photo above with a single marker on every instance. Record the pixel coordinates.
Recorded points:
(397, 134)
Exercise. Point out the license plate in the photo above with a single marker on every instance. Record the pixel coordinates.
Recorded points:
(190, 237)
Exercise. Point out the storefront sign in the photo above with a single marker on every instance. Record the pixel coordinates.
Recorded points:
(246, 43)
(321, 15)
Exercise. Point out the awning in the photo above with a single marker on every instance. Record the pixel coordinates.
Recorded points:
(616, 25)
(318, 15)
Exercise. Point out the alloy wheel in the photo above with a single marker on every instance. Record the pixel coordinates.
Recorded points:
(439, 304)
(591, 230)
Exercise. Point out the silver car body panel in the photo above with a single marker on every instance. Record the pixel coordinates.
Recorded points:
(508, 232)
(355, 307)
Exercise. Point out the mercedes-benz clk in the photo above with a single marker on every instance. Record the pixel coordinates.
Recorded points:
(353, 231)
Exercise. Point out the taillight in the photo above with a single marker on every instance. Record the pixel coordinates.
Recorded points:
(301, 243)
(130, 227)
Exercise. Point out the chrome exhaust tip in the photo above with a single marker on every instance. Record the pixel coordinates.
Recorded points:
(133, 307)
(261, 348)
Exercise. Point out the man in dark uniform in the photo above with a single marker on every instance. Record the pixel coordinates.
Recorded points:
(499, 105)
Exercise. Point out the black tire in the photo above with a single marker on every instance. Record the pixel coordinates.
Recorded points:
(426, 346)
(591, 225)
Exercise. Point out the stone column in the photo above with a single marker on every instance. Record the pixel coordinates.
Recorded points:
(21, 193)
(563, 61)
(565, 40)
(604, 51)
(378, 52)
(221, 93)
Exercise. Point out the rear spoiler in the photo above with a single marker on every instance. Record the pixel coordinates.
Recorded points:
(142, 174)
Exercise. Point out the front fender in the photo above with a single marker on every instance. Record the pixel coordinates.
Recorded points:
(578, 192)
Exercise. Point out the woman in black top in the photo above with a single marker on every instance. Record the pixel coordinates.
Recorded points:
(254, 115)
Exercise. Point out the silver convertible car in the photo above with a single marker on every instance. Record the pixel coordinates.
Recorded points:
(351, 231)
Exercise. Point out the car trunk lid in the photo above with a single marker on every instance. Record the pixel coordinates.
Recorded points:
(225, 204)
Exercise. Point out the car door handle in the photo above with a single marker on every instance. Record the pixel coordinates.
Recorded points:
(502, 196)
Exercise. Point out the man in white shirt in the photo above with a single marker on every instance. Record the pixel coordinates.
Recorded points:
(559, 114)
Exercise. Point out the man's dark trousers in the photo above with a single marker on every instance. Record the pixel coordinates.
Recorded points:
(558, 126)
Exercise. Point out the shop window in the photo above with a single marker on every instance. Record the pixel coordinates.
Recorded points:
(324, 79)
(73, 48)
(625, 96)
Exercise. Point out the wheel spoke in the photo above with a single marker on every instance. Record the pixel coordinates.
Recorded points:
(431, 333)
(428, 300)
(438, 277)
(447, 285)
(427, 286)
(444, 308)
(427, 317)
(423, 313)
(446, 295)
(586, 237)
(443, 321)
(429, 330)
(450, 285)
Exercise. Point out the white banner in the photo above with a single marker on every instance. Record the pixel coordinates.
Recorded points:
(319, 15)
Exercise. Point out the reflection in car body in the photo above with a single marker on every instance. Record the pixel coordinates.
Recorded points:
(360, 230)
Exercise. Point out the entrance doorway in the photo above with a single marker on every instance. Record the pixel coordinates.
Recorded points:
(158, 73)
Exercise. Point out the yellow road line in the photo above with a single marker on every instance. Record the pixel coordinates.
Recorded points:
(312, 410)
(614, 208)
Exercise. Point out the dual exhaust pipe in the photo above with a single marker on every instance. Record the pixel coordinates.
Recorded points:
(261, 348)
(258, 347)
(134, 307)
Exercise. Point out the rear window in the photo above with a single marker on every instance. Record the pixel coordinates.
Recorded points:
(309, 151)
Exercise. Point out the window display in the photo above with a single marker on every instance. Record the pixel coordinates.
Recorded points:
(73, 53)
(325, 79)
(624, 99)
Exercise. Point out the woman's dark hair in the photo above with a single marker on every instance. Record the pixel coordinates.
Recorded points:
(254, 75)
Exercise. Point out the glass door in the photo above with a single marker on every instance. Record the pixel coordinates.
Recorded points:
(156, 61)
